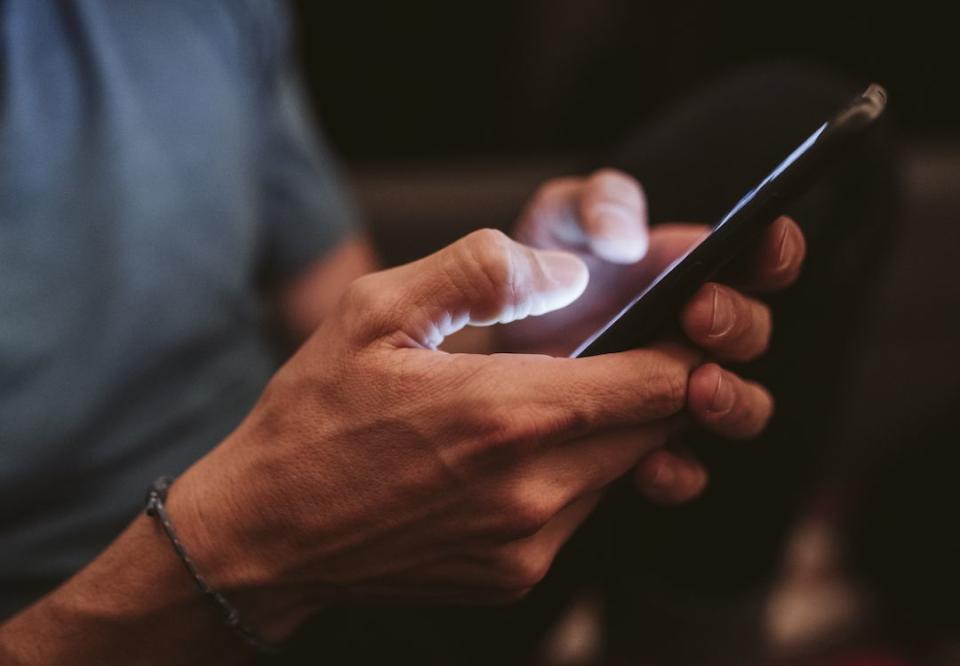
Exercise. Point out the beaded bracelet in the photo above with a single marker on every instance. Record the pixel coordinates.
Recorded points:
(155, 508)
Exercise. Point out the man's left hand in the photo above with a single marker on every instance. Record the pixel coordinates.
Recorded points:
(603, 218)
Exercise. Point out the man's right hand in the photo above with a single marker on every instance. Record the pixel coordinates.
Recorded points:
(376, 467)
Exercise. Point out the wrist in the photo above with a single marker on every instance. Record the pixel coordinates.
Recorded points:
(221, 521)
(133, 604)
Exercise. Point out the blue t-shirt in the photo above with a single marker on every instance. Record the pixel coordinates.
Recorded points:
(155, 160)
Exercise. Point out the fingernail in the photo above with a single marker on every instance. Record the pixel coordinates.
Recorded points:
(723, 395)
(787, 249)
(722, 316)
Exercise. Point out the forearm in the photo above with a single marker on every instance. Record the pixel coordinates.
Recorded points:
(134, 604)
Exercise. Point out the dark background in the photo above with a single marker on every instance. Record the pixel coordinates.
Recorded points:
(449, 114)
(428, 78)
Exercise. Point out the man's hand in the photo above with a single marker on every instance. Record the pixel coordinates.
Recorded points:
(603, 219)
(376, 467)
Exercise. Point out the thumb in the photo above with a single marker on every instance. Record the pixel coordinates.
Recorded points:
(482, 279)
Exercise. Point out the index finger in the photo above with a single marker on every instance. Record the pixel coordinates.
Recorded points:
(563, 397)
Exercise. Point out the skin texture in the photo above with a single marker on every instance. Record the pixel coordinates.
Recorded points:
(602, 218)
(376, 467)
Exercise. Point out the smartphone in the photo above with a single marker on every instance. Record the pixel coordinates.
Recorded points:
(658, 305)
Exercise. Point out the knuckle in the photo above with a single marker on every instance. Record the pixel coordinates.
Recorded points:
(520, 569)
(490, 244)
(362, 303)
(513, 430)
(524, 514)
(491, 254)
(525, 519)
(657, 388)
(669, 394)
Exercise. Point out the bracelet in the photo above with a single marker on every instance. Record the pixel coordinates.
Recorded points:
(155, 508)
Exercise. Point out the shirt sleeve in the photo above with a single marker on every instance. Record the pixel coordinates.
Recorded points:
(306, 208)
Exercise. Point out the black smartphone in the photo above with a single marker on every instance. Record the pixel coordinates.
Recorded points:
(658, 305)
